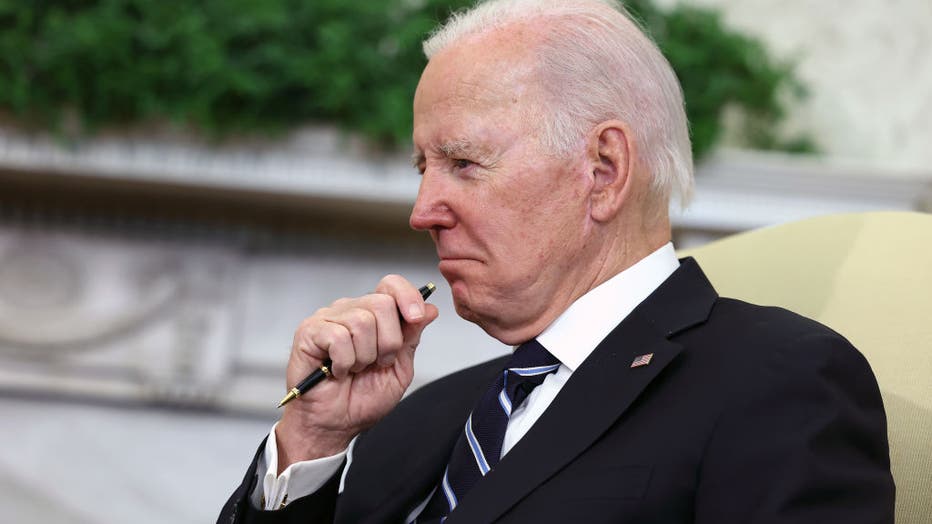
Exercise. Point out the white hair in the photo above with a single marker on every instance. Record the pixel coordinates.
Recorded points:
(596, 65)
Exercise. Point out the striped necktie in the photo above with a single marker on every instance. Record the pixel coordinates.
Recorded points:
(479, 447)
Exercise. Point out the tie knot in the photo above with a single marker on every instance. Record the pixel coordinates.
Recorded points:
(527, 369)
(531, 354)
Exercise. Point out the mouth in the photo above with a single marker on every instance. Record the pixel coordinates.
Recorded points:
(450, 265)
(457, 258)
(451, 261)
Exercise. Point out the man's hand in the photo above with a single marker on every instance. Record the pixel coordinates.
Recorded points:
(372, 349)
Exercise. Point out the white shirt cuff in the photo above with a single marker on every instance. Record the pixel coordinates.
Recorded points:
(298, 480)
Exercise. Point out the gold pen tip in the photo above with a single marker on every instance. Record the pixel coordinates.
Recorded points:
(288, 398)
(431, 287)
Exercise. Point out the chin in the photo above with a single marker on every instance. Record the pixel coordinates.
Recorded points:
(465, 307)
(488, 320)
(461, 300)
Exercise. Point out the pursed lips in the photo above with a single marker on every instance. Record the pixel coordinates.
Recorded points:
(445, 254)
(448, 262)
(458, 259)
(450, 252)
(457, 268)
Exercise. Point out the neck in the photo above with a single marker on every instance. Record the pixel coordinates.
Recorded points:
(614, 250)
(621, 251)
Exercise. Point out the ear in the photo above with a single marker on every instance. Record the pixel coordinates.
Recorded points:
(611, 155)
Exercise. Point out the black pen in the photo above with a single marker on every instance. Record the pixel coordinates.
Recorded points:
(324, 370)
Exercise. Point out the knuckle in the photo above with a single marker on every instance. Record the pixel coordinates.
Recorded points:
(359, 320)
(382, 302)
(390, 282)
(338, 335)
(307, 323)
(341, 302)
(391, 278)
(320, 316)
(307, 328)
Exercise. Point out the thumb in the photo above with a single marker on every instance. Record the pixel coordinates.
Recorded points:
(412, 337)
(412, 330)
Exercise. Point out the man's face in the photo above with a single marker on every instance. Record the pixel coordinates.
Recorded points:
(509, 221)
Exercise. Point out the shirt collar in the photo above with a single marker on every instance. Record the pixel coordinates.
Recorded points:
(588, 320)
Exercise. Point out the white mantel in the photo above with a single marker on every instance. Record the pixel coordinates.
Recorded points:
(736, 190)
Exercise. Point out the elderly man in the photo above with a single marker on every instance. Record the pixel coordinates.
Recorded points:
(550, 137)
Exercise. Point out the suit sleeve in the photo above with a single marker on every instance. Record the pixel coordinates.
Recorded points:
(804, 443)
(318, 507)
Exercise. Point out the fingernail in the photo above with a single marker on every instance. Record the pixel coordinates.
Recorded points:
(387, 360)
(415, 312)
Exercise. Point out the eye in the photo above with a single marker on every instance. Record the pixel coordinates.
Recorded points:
(461, 163)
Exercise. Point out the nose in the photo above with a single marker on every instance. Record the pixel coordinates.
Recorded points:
(432, 208)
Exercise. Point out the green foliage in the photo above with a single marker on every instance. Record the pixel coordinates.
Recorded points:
(223, 65)
(259, 66)
(722, 69)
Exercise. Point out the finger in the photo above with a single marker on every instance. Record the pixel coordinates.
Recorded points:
(305, 355)
(389, 338)
(407, 297)
(336, 340)
(361, 324)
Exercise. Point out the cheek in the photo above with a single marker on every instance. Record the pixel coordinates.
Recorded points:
(562, 229)
(529, 221)
(543, 236)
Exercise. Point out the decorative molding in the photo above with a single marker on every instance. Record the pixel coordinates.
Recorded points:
(736, 190)
(740, 190)
(59, 294)
(129, 321)
(314, 162)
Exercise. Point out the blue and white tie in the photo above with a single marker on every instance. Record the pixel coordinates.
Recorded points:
(479, 447)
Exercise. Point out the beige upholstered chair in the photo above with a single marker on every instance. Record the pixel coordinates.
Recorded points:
(869, 277)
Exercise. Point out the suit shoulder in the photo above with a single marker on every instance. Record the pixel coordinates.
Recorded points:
(763, 356)
(776, 324)
(761, 339)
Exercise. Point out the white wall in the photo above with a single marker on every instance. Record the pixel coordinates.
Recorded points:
(869, 69)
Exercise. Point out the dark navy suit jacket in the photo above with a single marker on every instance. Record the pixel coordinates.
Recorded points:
(745, 414)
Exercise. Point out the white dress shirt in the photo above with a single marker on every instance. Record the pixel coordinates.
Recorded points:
(570, 338)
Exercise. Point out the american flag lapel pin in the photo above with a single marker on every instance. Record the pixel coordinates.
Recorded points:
(642, 360)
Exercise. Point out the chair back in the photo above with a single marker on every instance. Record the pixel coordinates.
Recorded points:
(869, 277)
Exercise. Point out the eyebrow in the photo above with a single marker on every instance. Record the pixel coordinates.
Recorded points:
(450, 149)
(417, 157)
(455, 148)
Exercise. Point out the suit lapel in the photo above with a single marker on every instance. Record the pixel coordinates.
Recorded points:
(597, 394)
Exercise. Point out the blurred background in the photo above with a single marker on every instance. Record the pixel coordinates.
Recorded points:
(182, 182)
